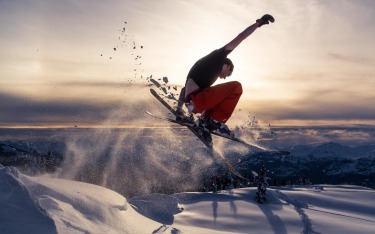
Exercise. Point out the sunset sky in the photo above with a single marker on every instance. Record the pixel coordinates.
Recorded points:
(69, 62)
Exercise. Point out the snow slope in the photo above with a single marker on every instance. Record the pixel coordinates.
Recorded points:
(46, 205)
(305, 209)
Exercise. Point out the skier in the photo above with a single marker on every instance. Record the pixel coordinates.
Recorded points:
(215, 103)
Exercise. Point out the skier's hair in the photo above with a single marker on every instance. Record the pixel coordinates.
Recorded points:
(230, 63)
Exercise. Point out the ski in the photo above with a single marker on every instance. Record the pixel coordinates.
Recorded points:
(202, 135)
(252, 146)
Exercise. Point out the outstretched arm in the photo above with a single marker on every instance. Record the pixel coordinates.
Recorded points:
(248, 31)
(242, 36)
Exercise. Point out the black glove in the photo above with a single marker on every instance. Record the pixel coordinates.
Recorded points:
(265, 20)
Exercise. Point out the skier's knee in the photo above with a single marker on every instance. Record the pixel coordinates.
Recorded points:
(237, 88)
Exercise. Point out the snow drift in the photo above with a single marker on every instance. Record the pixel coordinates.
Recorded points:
(45, 205)
(48, 205)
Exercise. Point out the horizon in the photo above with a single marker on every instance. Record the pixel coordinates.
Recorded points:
(268, 136)
(167, 125)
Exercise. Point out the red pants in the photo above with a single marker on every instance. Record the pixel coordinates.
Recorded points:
(217, 102)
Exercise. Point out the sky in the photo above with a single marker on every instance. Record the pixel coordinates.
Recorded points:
(67, 63)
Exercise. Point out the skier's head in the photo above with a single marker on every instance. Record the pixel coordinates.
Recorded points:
(227, 68)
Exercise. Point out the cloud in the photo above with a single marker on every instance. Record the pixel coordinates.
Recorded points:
(319, 105)
(312, 45)
(19, 110)
(350, 59)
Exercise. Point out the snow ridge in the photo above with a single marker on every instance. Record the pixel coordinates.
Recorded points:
(17, 203)
(298, 207)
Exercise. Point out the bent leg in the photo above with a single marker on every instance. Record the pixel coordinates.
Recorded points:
(218, 101)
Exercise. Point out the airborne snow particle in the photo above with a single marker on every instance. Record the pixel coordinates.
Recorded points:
(155, 83)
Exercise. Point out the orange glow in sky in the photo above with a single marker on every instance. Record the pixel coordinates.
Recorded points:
(314, 64)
